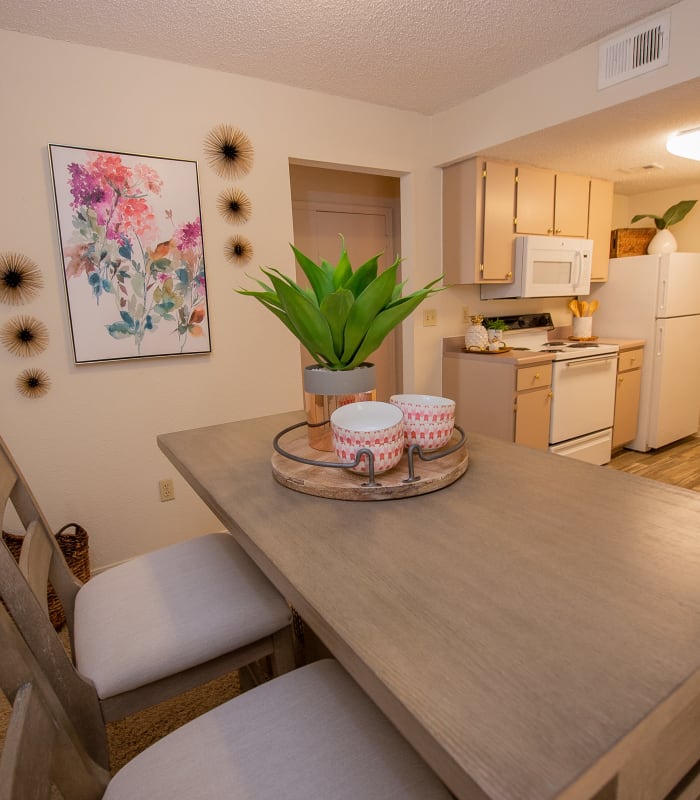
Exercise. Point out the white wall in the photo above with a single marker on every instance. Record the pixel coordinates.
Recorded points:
(89, 446)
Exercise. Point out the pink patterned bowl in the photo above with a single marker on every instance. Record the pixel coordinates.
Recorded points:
(427, 420)
(376, 426)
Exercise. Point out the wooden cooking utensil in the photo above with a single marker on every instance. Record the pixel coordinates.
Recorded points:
(573, 305)
(583, 308)
(593, 307)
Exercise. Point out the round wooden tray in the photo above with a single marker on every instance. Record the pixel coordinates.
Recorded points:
(342, 484)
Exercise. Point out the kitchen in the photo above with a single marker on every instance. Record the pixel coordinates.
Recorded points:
(568, 391)
(616, 318)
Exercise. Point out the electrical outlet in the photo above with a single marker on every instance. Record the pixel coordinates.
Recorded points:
(429, 317)
(466, 315)
(167, 489)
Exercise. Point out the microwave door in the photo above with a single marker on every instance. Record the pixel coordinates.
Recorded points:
(549, 275)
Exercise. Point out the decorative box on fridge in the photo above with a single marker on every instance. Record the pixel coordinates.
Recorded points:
(630, 241)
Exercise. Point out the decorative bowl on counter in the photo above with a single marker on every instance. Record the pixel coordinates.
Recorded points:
(375, 426)
(428, 421)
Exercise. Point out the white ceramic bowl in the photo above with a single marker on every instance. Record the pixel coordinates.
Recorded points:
(376, 426)
(427, 420)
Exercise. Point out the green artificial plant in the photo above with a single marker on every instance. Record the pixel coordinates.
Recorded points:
(496, 324)
(345, 315)
(672, 216)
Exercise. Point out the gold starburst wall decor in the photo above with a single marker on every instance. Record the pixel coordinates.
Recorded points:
(235, 206)
(229, 151)
(238, 250)
(33, 382)
(24, 336)
(20, 278)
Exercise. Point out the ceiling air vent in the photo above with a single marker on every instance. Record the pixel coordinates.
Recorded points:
(640, 49)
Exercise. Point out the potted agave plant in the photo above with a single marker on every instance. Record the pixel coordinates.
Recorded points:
(664, 241)
(341, 319)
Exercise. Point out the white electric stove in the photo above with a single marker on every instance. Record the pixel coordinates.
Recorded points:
(584, 375)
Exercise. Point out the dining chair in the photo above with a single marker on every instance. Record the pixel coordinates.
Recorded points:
(310, 733)
(150, 628)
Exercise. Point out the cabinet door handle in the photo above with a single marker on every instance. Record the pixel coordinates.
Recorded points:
(537, 376)
(550, 394)
(557, 231)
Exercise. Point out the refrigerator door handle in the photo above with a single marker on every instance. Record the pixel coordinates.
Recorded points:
(662, 294)
(660, 341)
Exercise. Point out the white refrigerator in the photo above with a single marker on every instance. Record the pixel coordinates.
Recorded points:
(657, 298)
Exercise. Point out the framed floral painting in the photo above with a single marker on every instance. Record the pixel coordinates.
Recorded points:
(130, 231)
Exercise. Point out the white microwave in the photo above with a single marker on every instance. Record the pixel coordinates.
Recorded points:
(546, 266)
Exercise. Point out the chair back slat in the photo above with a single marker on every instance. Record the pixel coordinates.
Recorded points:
(42, 747)
(35, 561)
(26, 754)
(48, 555)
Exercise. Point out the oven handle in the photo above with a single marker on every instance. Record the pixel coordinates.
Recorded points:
(580, 361)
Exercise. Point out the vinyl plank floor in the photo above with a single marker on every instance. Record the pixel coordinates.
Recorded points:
(677, 463)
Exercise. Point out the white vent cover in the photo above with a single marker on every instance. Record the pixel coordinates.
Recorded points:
(640, 49)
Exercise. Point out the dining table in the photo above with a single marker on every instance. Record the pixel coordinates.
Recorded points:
(532, 628)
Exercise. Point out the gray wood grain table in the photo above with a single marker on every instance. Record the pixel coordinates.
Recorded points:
(533, 629)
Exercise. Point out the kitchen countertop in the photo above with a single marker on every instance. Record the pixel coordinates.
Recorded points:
(453, 347)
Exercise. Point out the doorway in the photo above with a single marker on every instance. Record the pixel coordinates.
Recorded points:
(365, 209)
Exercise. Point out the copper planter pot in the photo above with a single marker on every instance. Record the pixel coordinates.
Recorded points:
(327, 389)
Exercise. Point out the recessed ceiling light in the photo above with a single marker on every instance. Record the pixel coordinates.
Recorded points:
(685, 144)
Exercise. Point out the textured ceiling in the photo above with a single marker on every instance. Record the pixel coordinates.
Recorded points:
(418, 55)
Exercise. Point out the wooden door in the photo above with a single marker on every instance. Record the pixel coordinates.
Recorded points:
(367, 231)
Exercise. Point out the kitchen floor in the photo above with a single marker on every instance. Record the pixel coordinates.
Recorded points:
(678, 463)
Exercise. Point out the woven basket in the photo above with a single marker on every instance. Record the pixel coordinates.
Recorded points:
(73, 541)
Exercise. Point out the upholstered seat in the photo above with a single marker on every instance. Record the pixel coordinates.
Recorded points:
(170, 610)
(311, 733)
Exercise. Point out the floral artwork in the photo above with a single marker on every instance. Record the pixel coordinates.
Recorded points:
(133, 257)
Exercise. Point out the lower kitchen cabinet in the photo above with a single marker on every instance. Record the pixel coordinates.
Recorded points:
(629, 376)
(496, 397)
(533, 400)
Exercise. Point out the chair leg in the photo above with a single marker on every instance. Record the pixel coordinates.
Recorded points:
(284, 657)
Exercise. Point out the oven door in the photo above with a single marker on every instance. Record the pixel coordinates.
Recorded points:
(583, 396)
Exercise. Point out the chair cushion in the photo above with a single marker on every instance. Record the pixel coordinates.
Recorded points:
(172, 609)
(311, 733)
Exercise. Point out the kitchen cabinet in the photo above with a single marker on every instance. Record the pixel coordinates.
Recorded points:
(600, 209)
(497, 396)
(486, 203)
(478, 204)
(549, 203)
(629, 376)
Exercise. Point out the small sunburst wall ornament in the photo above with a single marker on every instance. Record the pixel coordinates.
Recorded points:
(238, 250)
(24, 336)
(33, 382)
(235, 206)
(229, 151)
(20, 278)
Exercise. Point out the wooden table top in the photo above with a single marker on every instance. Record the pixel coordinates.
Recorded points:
(527, 628)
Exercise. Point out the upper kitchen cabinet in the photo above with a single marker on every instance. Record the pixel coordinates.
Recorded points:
(478, 204)
(600, 210)
(486, 204)
(551, 204)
